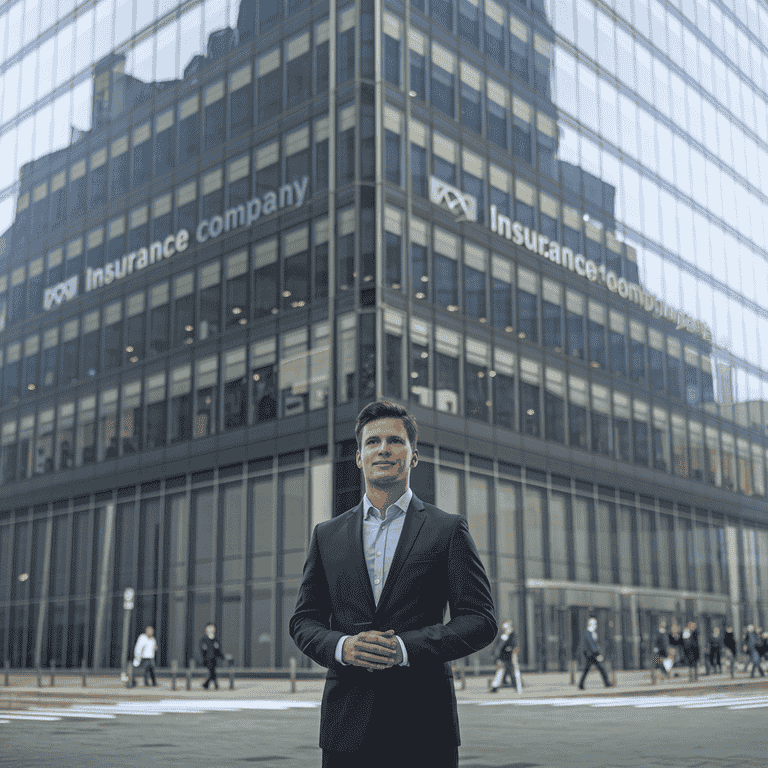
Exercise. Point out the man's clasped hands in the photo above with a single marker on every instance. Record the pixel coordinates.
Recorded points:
(372, 650)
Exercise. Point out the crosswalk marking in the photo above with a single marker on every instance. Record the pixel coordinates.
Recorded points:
(711, 701)
(41, 714)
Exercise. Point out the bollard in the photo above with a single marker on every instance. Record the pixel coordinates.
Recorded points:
(7, 671)
(190, 670)
(573, 672)
(174, 672)
(653, 675)
(39, 677)
(732, 664)
(292, 673)
(84, 668)
(690, 674)
(53, 669)
(476, 665)
(231, 674)
(130, 682)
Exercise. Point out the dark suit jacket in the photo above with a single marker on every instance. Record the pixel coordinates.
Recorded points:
(435, 565)
(591, 646)
(503, 648)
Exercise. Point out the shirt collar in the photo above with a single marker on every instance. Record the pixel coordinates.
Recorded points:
(402, 504)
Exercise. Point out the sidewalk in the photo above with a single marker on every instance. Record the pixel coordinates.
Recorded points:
(537, 686)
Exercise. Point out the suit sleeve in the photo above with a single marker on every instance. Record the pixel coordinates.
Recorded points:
(310, 624)
(473, 623)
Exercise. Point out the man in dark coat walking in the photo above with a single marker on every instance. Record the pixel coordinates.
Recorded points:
(661, 649)
(503, 653)
(210, 650)
(752, 641)
(593, 653)
(371, 607)
(715, 650)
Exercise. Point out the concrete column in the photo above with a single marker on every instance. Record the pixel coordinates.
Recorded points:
(635, 630)
(44, 590)
(530, 628)
(105, 568)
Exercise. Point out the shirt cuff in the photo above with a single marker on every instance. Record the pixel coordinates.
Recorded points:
(404, 662)
(340, 650)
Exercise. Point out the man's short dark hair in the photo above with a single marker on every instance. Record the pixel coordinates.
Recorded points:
(383, 409)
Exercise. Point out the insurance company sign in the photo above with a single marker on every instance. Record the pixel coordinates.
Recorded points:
(464, 206)
(596, 273)
(291, 195)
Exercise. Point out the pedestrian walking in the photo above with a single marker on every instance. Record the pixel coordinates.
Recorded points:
(144, 655)
(370, 608)
(690, 651)
(661, 650)
(715, 650)
(763, 649)
(504, 651)
(593, 653)
(676, 646)
(750, 648)
(210, 650)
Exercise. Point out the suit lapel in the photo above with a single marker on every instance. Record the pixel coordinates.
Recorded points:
(414, 520)
(354, 535)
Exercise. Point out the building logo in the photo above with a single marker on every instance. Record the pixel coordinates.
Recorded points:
(65, 291)
(460, 204)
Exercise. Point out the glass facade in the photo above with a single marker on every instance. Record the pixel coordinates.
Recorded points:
(229, 225)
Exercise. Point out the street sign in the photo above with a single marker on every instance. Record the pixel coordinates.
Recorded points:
(128, 596)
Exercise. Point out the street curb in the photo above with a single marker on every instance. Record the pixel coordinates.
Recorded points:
(52, 694)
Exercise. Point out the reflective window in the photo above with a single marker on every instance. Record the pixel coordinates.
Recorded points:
(554, 405)
(206, 396)
(601, 417)
(527, 305)
(475, 268)
(180, 420)
(503, 376)
(157, 410)
(552, 315)
(108, 446)
(477, 394)
(443, 83)
(621, 421)
(270, 86)
(530, 393)
(131, 418)
(446, 268)
(240, 101)
(419, 367)
(578, 406)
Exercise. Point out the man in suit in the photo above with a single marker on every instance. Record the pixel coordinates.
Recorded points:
(593, 653)
(371, 608)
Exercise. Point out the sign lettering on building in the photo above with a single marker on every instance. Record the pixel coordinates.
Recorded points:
(595, 273)
(291, 195)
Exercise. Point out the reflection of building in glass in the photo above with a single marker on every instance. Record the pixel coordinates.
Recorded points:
(207, 272)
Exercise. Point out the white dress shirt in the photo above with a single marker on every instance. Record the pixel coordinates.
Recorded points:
(146, 647)
(380, 539)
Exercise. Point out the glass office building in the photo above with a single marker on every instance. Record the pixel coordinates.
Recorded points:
(227, 226)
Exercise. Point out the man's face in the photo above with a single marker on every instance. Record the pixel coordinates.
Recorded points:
(210, 630)
(592, 625)
(716, 631)
(385, 454)
(150, 631)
